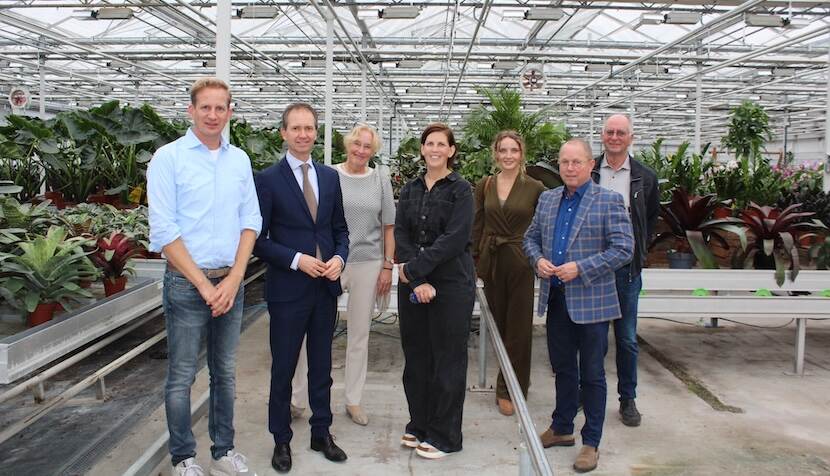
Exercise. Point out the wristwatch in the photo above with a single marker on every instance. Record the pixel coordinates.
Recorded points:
(389, 260)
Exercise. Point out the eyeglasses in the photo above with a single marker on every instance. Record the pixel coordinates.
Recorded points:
(615, 132)
(572, 163)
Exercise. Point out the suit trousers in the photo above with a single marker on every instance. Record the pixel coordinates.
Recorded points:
(312, 317)
(360, 281)
(567, 342)
(434, 340)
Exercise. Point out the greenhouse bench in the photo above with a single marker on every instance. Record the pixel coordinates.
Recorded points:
(737, 294)
(719, 293)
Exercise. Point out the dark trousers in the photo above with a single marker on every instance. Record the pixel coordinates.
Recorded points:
(314, 316)
(567, 342)
(625, 332)
(510, 297)
(434, 340)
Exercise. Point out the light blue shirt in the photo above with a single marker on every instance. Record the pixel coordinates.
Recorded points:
(204, 201)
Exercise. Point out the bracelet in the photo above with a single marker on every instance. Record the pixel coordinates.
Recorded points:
(389, 269)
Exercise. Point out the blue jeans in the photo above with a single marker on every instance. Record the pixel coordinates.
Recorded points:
(567, 342)
(188, 321)
(625, 332)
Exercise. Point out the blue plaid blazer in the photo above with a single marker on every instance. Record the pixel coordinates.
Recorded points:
(601, 241)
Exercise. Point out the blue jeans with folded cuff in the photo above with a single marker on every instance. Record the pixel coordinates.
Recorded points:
(188, 320)
(567, 343)
(625, 332)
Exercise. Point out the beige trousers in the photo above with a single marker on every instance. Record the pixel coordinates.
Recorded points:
(360, 281)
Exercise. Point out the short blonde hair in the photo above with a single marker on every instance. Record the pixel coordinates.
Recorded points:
(205, 83)
(359, 128)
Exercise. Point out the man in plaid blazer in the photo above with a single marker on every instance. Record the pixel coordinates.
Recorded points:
(580, 234)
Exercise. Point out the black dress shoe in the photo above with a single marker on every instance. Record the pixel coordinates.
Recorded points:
(281, 461)
(329, 449)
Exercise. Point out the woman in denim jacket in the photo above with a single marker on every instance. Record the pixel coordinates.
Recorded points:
(436, 293)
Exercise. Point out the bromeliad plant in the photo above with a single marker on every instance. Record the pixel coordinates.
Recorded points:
(113, 255)
(48, 269)
(692, 226)
(776, 233)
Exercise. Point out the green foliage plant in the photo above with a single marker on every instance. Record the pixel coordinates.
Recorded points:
(48, 269)
(542, 138)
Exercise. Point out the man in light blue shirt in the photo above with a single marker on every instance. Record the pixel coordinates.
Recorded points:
(204, 218)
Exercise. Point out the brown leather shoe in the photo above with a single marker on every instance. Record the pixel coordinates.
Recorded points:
(505, 406)
(587, 459)
(549, 438)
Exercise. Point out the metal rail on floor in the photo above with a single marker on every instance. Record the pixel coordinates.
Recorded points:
(531, 453)
(95, 377)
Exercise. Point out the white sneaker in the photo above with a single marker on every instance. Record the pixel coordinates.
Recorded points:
(232, 464)
(426, 450)
(188, 467)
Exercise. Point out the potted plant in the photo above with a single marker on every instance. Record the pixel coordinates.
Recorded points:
(505, 111)
(820, 253)
(32, 219)
(46, 274)
(774, 245)
(692, 227)
(113, 257)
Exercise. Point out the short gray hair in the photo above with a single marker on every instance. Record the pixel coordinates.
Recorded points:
(586, 147)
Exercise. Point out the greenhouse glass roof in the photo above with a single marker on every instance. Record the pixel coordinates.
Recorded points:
(428, 60)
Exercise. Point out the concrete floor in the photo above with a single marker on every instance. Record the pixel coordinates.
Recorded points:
(783, 427)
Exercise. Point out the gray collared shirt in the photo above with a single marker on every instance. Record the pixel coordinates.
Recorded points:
(617, 180)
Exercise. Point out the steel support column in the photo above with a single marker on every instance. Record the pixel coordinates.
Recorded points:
(223, 47)
(329, 86)
(698, 107)
(826, 181)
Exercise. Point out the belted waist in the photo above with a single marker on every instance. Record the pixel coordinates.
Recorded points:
(490, 244)
(494, 241)
(210, 273)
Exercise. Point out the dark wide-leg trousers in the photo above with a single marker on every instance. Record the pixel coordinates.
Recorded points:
(434, 340)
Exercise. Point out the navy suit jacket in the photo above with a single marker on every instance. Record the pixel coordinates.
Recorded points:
(287, 228)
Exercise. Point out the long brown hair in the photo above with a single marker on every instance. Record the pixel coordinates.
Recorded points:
(509, 134)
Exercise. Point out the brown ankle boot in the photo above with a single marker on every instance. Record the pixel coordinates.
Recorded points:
(505, 406)
(587, 459)
(549, 438)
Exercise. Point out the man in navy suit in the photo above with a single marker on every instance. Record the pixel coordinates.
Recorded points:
(305, 243)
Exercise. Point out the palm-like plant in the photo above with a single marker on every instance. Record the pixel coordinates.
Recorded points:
(692, 227)
(542, 139)
(775, 232)
(49, 269)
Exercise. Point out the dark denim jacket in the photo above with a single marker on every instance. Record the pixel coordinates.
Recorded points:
(433, 233)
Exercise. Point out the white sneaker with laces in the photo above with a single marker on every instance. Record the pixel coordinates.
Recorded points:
(188, 467)
(232, 464)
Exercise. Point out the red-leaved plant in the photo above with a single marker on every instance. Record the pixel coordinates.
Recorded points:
(692, 225)
(114, 254)
(775, 244)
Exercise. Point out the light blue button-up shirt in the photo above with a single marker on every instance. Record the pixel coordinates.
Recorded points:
(204, 201)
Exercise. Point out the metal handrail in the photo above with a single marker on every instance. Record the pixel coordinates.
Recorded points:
(527, 429)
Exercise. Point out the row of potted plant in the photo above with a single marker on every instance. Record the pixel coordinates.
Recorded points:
(769, 237)
(48, 258)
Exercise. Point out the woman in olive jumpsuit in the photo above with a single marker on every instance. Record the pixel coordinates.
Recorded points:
(505, 204)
